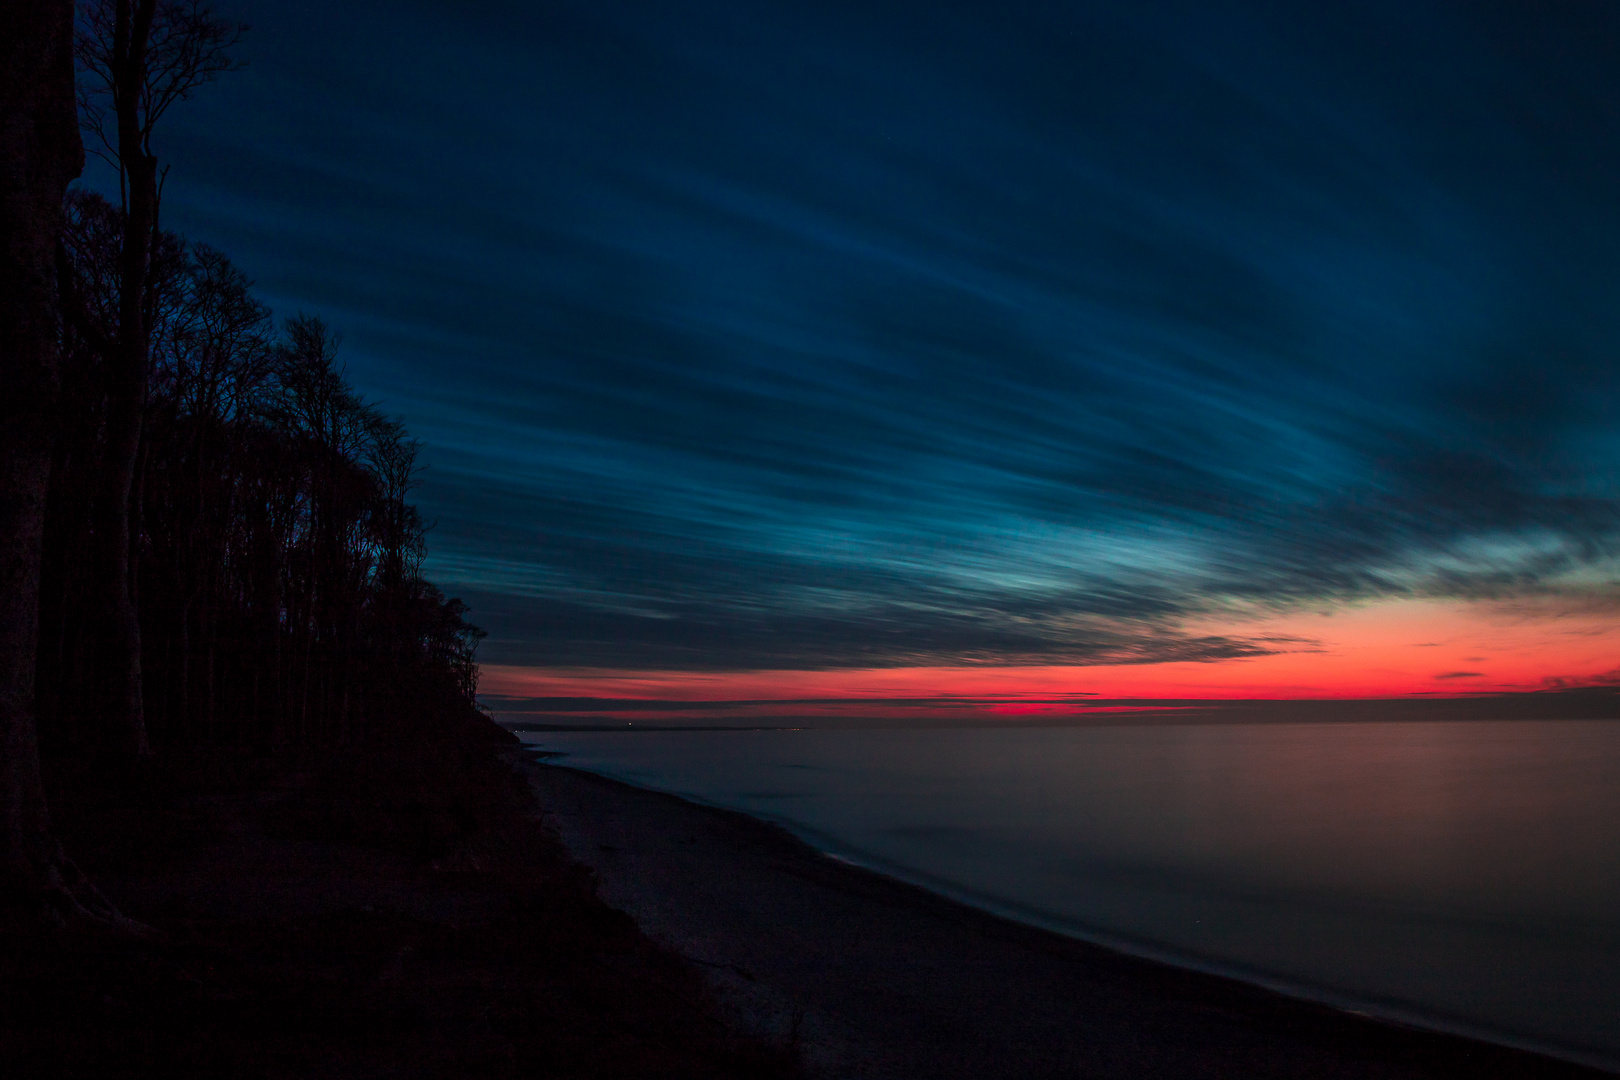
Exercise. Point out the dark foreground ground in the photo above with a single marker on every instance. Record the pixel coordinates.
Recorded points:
(870, 977)
(391, 915)
(406, 913)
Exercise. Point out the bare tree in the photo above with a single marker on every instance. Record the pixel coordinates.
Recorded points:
(178, 46)
(40, 153)
(137, 58)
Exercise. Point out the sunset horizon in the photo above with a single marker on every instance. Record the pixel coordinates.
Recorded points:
(1391, 649)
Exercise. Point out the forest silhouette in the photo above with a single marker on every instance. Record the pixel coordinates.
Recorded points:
(228, 556)
(206, 542)
(276, 562)
(242, 767)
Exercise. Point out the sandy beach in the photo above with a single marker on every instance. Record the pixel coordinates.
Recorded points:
(871, 977)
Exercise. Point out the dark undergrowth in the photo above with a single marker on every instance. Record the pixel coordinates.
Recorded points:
(398, 911)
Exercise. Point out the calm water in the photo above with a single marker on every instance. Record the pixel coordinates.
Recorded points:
(1464, 873)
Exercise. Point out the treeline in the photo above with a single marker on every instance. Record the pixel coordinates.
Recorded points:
(205, 538)
(273, 563)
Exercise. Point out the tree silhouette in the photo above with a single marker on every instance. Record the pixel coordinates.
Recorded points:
(137, 58)
(162, 438)
(278, 560)
(40, 153)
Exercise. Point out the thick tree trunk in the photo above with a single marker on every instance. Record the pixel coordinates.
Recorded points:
(39, 154)
(179, 720)
(118, 657)
(119, 654)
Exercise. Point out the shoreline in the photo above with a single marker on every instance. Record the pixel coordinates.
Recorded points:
(698, 877)
(1392, 1012)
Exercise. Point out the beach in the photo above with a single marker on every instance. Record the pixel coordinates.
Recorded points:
(412, 911)
(870, 977)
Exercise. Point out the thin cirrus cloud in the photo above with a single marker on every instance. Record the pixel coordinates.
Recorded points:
(801, 336)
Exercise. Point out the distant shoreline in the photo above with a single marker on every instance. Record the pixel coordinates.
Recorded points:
(696, 876)
(1189, 718)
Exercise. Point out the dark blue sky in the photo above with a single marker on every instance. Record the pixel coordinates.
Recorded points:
(784, 335)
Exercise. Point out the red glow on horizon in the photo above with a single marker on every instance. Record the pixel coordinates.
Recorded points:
(1391, 649)
(1047, 708)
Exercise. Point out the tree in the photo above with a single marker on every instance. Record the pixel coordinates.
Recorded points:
(138, 58)
(277, 548)
(40, 152)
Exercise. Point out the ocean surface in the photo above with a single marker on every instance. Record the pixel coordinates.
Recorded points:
(1462, 875)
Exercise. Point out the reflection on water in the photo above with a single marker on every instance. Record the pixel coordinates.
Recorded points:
(1469, 872)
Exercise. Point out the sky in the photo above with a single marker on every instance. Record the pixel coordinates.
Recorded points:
(998, 358)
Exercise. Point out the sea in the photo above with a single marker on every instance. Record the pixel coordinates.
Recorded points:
(1459, 875)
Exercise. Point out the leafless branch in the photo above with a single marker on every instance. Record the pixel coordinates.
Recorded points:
(187, 46)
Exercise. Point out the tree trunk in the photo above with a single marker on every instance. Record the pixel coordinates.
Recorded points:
(180, 727)
(40, 153)
(119, 655)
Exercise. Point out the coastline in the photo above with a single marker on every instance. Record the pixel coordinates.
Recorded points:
(1388, 1011)
(870, 975)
